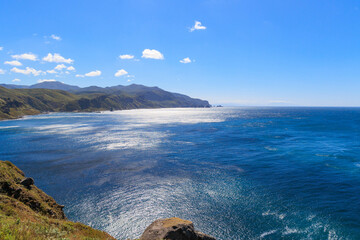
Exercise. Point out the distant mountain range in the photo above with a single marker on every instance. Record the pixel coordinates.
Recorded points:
(20, 100)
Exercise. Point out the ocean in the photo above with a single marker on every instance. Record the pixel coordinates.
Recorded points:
(237, 173)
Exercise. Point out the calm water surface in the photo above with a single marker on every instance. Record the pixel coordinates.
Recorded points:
(237, 173)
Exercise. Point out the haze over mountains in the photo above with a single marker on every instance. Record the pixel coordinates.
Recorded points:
(20, 100)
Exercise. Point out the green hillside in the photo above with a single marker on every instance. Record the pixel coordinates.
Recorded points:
(15, 103)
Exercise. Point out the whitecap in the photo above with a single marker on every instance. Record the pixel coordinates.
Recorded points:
(267, 233)
(275, 214)
(7, 127)
(290, 231)
(271, 148)
(310, 217)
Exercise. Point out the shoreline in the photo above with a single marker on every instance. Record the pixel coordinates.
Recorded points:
(97, 111)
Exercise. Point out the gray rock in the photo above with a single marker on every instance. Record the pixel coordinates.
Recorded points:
(27, 182)
(173, 229)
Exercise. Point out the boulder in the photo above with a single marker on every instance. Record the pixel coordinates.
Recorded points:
(173, 229)
(27, 182)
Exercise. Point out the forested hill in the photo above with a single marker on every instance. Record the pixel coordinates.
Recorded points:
(20, 100)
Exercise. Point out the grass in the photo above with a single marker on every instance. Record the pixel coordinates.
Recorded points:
(32, 214)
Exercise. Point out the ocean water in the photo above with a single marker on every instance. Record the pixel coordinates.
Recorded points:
(237, 173)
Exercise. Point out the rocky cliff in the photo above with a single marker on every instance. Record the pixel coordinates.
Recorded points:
(26, 212)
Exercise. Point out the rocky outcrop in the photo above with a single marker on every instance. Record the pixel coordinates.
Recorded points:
(173, 229)
(26, 212)
(14, 184)
(27, 182)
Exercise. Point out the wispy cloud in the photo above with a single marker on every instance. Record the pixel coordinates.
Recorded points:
(13, 63)
(57, 38)
(120, 73)
(71, 68)
(126, 56)
(153, 54)
(27, 71)
(51, 71)
(197, 26)
(56, 57)
(25, 56)
(185, 60)
(46, 80)
(2, 71)
(1, 48)
(16, 80)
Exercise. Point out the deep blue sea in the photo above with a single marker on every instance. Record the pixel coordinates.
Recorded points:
(237, 173)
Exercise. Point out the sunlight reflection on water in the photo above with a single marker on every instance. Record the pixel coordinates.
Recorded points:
(250, 172)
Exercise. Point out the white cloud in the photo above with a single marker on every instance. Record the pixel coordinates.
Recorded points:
(57, 58)
(93, 73)
(126, 56)
(27, 71)
(53, 36)
(186, 60)
(1, 48)
(197, 26)
(120, 73)
(46, 80)
(51, 71)
(13, 63)
(153, 54)
(2, 71)
(71, 68)
(60, 67)
(25, 56)
(16, 80)
(79, 75)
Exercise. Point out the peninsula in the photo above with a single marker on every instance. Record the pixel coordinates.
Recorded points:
(20, 100)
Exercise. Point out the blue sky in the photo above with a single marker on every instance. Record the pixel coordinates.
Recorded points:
(243, 53)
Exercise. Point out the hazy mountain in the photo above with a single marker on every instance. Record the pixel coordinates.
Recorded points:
(55, 85)
(46, 85)
(13, 86)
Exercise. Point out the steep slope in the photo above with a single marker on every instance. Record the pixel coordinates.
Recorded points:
(15, 103)
(26, 212)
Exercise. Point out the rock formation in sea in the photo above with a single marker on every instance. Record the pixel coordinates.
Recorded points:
(173, 229)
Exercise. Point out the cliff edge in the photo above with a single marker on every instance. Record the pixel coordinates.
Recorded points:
(26, 212)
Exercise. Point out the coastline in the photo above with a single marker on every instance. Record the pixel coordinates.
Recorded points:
(94, 111)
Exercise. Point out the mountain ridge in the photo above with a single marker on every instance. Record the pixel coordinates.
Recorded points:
(19, 100)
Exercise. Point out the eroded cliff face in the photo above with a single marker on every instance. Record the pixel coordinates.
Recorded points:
(26, 212)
